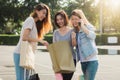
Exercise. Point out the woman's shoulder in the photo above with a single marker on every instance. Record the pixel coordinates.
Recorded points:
(56, 31)
(29, 23)
(29, 19)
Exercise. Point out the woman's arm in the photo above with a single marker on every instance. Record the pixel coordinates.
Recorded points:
(84, 28)
(87, 27)
(89, 30)
(27, 38)
(73, 36)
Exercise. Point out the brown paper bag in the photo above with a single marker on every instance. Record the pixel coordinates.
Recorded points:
(61, 56)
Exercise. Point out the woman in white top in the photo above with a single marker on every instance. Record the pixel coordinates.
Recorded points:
(33, 31)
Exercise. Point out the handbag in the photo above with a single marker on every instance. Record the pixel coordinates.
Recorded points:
(61, 56)
(27, 57)
(34, 77)
(58, 76)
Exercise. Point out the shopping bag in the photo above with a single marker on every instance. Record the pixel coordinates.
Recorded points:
(81, 77)
(34, 77)
(58, 76)
(30, 75)
(61, 56)
(27, 57)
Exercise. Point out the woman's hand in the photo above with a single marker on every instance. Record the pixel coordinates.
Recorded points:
(73, 36)
(83, 26)
(45, 43)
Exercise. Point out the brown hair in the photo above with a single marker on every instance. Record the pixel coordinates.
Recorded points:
(79, 13)
(76, 13)
(45, 25)
(63, 15)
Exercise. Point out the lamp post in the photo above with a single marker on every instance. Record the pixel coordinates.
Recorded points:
(101, 11)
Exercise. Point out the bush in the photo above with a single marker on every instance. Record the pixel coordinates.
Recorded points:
(6, 39)
(100, 39)
(103, 39)
(9, 39)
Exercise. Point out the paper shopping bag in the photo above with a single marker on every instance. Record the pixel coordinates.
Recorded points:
(61, 56)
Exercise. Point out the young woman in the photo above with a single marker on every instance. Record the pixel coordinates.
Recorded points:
(85, 44)
(33, 31)
(63, 33)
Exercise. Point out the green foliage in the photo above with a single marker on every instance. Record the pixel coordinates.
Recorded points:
(110, 15)
(103, 39)
(103, 51)
(100, 39)
(16, 11)
(8, 39)
(13, 12)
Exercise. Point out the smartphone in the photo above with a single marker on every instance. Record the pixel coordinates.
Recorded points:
(79, 23)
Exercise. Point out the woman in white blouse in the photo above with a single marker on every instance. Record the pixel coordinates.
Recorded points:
(33, 30)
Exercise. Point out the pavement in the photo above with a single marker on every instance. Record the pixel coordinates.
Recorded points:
(109, 67)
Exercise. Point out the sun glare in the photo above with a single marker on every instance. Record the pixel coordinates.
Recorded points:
(113, 3)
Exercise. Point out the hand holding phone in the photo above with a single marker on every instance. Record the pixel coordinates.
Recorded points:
(73, 35)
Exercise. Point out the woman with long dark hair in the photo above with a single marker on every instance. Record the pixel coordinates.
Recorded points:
(33, 30)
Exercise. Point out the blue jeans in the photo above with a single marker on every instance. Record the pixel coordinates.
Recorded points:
(19, 70)
(89, 69)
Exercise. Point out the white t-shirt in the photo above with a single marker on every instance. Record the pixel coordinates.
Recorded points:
(29, 23)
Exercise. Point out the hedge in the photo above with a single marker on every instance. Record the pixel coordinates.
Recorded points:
(9, 39)
(103, 39)
(100, 39)
(6, 39)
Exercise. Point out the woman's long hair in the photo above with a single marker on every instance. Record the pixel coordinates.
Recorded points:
(45, 25)
(79, 13)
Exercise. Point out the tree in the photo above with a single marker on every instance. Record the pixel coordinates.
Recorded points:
(111, 15)
(14, 12)
(88, 6)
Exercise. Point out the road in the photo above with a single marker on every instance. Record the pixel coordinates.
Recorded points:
(109, 67)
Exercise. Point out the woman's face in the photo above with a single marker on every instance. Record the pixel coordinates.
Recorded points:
(75, 21)
(60, 20)
(41, 14)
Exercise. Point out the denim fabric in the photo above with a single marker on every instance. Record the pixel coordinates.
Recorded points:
(86, 43)
(77, 48)
(89, 69)
(19, 70)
